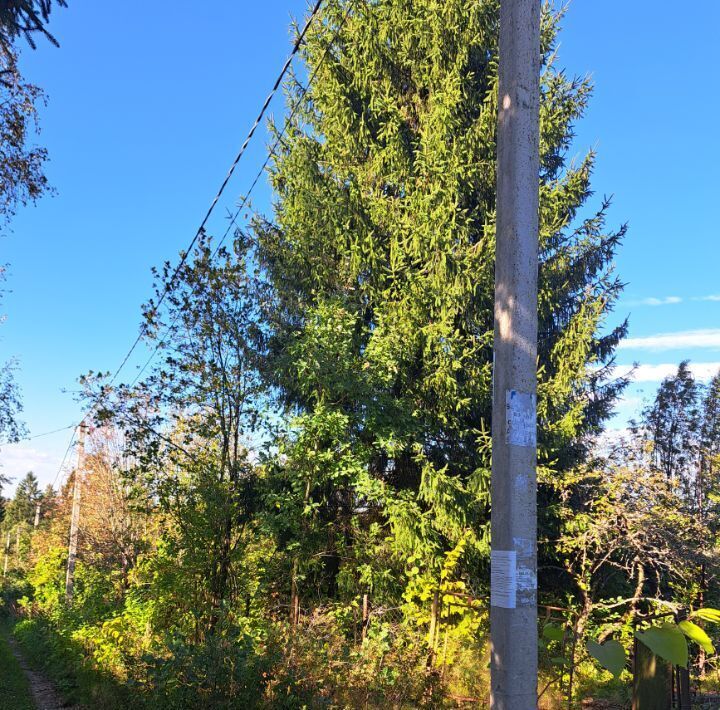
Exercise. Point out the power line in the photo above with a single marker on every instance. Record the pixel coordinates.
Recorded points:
(238, 157)
(64, 458)
(46, 433)
(278, 140)
(271, 153)
(233, 221)
(184, 255)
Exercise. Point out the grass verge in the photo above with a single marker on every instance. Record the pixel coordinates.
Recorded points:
(14, 685)
(63, 661)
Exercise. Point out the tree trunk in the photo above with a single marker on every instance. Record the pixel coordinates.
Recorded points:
(703, 581)
(220, 582)
(294, 596)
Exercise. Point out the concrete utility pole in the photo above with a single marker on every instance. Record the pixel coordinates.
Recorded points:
(36, 522)
(75, 516)
(513, 576)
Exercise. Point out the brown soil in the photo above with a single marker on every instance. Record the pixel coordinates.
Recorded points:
(43, 691)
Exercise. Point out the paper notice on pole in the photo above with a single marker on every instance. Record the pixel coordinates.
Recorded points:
(520, 413)
(503, 578)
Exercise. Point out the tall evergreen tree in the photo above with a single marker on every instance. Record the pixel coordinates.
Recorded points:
(708, 474)
(21, 508)
(381, 254)
(672, 425)
(710, 430)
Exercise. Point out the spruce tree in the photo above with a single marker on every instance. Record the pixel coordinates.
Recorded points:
(21, 508)
(26, 18)
(710, 429)
(672, 426)
(381, 255)
(708, 477)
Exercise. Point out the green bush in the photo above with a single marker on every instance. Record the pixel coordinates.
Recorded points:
(229, 669)
(66, 664)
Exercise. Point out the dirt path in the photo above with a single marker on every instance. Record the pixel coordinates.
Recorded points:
(43, 691)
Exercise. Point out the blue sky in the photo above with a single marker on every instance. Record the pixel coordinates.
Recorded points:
(149, 102)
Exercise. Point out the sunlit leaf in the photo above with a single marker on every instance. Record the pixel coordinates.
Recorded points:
(698, 635)
(666, 641)
(708, 614)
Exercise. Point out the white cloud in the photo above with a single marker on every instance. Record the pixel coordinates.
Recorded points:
(629, 402)
(669, 300)
(703, 371)
(654, 301)
(712, 297)
(704, 338)
(17, 459)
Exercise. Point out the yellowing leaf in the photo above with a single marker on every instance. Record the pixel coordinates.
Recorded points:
(707, 614)
(698, 635)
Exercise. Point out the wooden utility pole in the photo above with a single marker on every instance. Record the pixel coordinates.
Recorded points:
(513, 577)
(7, 553)
(75, 516)
(365, 616)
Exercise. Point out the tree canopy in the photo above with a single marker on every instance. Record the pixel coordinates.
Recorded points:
(289, 506)
(26, 18)
(380, 253)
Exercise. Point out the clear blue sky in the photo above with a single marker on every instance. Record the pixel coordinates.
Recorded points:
(149, 102)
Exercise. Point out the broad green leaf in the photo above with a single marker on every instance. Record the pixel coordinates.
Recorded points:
(553, 632)
(610, 655)
(666, 641)
(698, 635)
(707, 614)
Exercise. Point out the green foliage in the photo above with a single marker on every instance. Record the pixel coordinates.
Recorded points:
(380, 259)
(21, 509)
(47, 577)
(610, 655)
(65, 662)
(324, 670)
(315, 432)
(666, 641)
(553, 632)
(225, 671)
(22, 179)
(25, 17)
(11, 428)
(672, 424)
